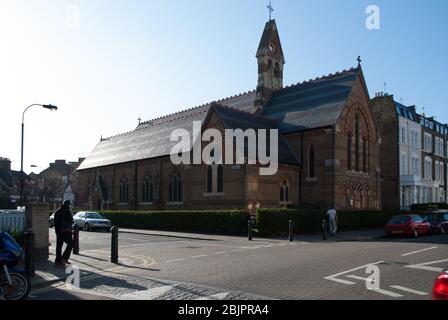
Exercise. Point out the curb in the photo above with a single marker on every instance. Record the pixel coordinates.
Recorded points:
(140, 232)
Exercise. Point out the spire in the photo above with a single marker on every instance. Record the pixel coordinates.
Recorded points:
(359, 61)
(271, 61)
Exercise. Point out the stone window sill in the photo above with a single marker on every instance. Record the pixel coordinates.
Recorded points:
(311, 179)
(174, 203)
(146, 203)
(214, 194)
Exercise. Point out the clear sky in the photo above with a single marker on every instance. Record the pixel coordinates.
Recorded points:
(125, 59)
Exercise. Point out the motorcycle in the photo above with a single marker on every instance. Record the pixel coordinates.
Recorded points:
(14, 284)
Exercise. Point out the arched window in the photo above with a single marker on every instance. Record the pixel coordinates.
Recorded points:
(209, 179)
(147, 189)
(175, 189)
(349, 151)
(215, 179)
(365, 155)
(311, 162)
(220, 183)
(357, 142)
(285, 194)
(124, 190)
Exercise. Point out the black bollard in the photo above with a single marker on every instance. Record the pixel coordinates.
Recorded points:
(76, 239)
(114, 245)
(249, 230)
(324, 229)
(291, 231)
(29, 256)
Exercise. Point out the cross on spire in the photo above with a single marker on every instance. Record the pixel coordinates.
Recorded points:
(271, 9)
(359, 60)
(139, 120)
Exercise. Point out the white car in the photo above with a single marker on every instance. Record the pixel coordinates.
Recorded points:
(91, 221)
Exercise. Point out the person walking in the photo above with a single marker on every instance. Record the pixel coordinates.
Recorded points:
(332, 216)
(63, 223)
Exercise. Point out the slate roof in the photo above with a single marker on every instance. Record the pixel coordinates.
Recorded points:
(234, 119)
(310, 104)
(151, 139)
(405, 112)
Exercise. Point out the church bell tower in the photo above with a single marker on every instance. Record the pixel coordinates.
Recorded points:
(271, 61)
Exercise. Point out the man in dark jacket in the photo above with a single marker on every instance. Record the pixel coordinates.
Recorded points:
(63, 222)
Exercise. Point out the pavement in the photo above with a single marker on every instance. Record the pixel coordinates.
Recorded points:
(156, 265)
(47, 273)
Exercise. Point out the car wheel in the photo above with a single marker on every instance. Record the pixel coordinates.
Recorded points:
(87, 227)
(415, 234)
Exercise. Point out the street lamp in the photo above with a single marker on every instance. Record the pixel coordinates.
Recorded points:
(45, 106)
(44, 179)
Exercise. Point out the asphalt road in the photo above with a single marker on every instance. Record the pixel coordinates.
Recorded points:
(233, 268)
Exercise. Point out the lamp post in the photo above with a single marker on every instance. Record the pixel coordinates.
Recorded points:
(45, 106)
(45, 182)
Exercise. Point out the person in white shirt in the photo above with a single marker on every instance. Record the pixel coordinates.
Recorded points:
(333, 221)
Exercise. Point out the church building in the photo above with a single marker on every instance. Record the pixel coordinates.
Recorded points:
(328, 149)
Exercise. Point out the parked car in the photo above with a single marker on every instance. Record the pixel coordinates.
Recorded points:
(438, 220)
(440, 291)
(51, 220)
(90, 221)
(408, 225)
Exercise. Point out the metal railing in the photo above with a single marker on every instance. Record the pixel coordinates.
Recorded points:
(12, 221)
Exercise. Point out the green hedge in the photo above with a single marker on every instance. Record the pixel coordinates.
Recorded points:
(274, 222)
(428, 206)
(231, 222)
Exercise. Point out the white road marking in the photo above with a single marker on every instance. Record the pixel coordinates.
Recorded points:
(219, 296)
(149, 294)
(200, 256)
(418, 251)
(424, 266)
(175, 260)
(342, 281)
(387, 293)
(335, 276)
(357, 278)
(420, 293)
(238, 250)
(217, 253)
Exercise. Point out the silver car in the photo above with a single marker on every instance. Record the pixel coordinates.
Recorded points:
(91, 221)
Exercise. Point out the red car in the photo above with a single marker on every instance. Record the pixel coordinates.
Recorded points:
(440, 291)
(408, 225)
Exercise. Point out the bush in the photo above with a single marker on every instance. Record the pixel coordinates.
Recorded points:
(428, 206)
(213, 221)
(7, 204)
(274, 222)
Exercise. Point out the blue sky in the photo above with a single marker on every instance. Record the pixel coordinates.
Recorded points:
(147, 58)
